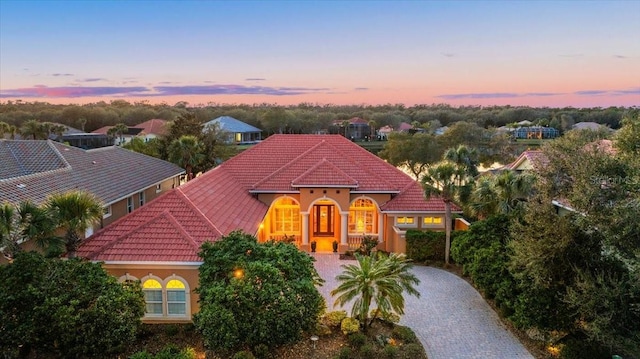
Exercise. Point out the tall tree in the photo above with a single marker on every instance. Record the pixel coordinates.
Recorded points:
(186, 152)
(415, 152)
(376, 279)
(452, 179)
(74, 212)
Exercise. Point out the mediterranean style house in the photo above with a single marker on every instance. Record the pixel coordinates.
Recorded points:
(315, 188)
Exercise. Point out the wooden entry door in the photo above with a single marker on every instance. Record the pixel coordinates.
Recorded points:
(323, 218)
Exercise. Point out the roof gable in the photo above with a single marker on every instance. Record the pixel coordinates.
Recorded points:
(169, 228)
(322, 173)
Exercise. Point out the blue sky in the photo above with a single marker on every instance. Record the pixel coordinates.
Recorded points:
(543, 53)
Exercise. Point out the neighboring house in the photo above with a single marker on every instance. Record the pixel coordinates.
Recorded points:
(589, 126)
(315, 188)
(120, 140)
(357, 129)
(441, 130)
(528, 160)
(123, 180)
(384, 132)
(405, 127)
(535, 132)
(153, 128)
(238, 131)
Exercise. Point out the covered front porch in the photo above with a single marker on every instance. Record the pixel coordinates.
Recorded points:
(323, 224)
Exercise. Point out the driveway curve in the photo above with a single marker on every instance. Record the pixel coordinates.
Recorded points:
(450, 318)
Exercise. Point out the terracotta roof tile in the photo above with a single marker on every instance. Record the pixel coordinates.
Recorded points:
(168, 228)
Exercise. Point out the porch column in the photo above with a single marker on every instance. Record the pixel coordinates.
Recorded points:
(305, 228)
(380, 228)
(344, 227)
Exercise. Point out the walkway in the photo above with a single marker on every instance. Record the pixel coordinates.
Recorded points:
(451, 319)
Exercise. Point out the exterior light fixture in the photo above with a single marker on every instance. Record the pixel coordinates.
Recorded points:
(314, 339)
(238, 273)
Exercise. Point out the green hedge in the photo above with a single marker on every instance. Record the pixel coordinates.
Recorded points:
(426, 245)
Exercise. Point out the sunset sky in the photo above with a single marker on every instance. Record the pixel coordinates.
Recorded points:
(537, 53)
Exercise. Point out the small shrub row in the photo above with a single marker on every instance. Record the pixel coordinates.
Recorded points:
(168, 352)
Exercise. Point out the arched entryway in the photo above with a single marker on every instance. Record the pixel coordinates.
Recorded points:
(324, 224)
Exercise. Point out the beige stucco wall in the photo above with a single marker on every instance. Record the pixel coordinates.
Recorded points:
(188, 273)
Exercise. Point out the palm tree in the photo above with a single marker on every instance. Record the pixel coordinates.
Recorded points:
(186, 152)
(504, 193)
(118, 131)
(74, 212)
(33, 129)
(23, 222)
(372, 129)
(452, 179)
(4, 128)
(381, 279)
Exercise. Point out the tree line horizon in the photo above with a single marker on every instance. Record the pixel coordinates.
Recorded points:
(305, 117)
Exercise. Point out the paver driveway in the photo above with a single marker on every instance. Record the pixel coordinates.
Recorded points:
(450, 317)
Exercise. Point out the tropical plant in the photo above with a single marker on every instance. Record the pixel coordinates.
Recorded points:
(186, 152)
(33, 129)
(504, 193)
(118, 132)
(74, 212)
(23, 222)
(376, 279)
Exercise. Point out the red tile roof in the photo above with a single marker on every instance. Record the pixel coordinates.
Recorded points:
(535, 157)
(168, 228)
(221, 200)
(154, 126)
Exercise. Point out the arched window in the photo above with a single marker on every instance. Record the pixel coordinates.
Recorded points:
(285, 216)
(363, 217)
(176, 298)
(153, 296)
(168, 298)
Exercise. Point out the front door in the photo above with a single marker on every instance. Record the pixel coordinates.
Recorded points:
(323, 220)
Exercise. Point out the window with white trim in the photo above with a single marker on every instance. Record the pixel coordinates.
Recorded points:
(432, 221)
(363, 217)
(285, 216)
(159, 188)
(152, 297)
(129, 204)
(141, 198)
(406, 221)
(106, 212)
(168, 298)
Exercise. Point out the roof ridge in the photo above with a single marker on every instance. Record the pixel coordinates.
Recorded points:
(188, 201)
(64, 161)
(290, 163)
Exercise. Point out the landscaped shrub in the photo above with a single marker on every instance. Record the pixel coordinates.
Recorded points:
(245, 354)
(404, 334)
(255, 293)
(142, 355)
(345, 353)
(356, 340)
(367, 245)
(390, 351)
(426, 245)
(261, 351)
(367, 351)
(582, 348)
(412, 351)
(334, 318)
(387, 317)
(350, 325)
(46, 303)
